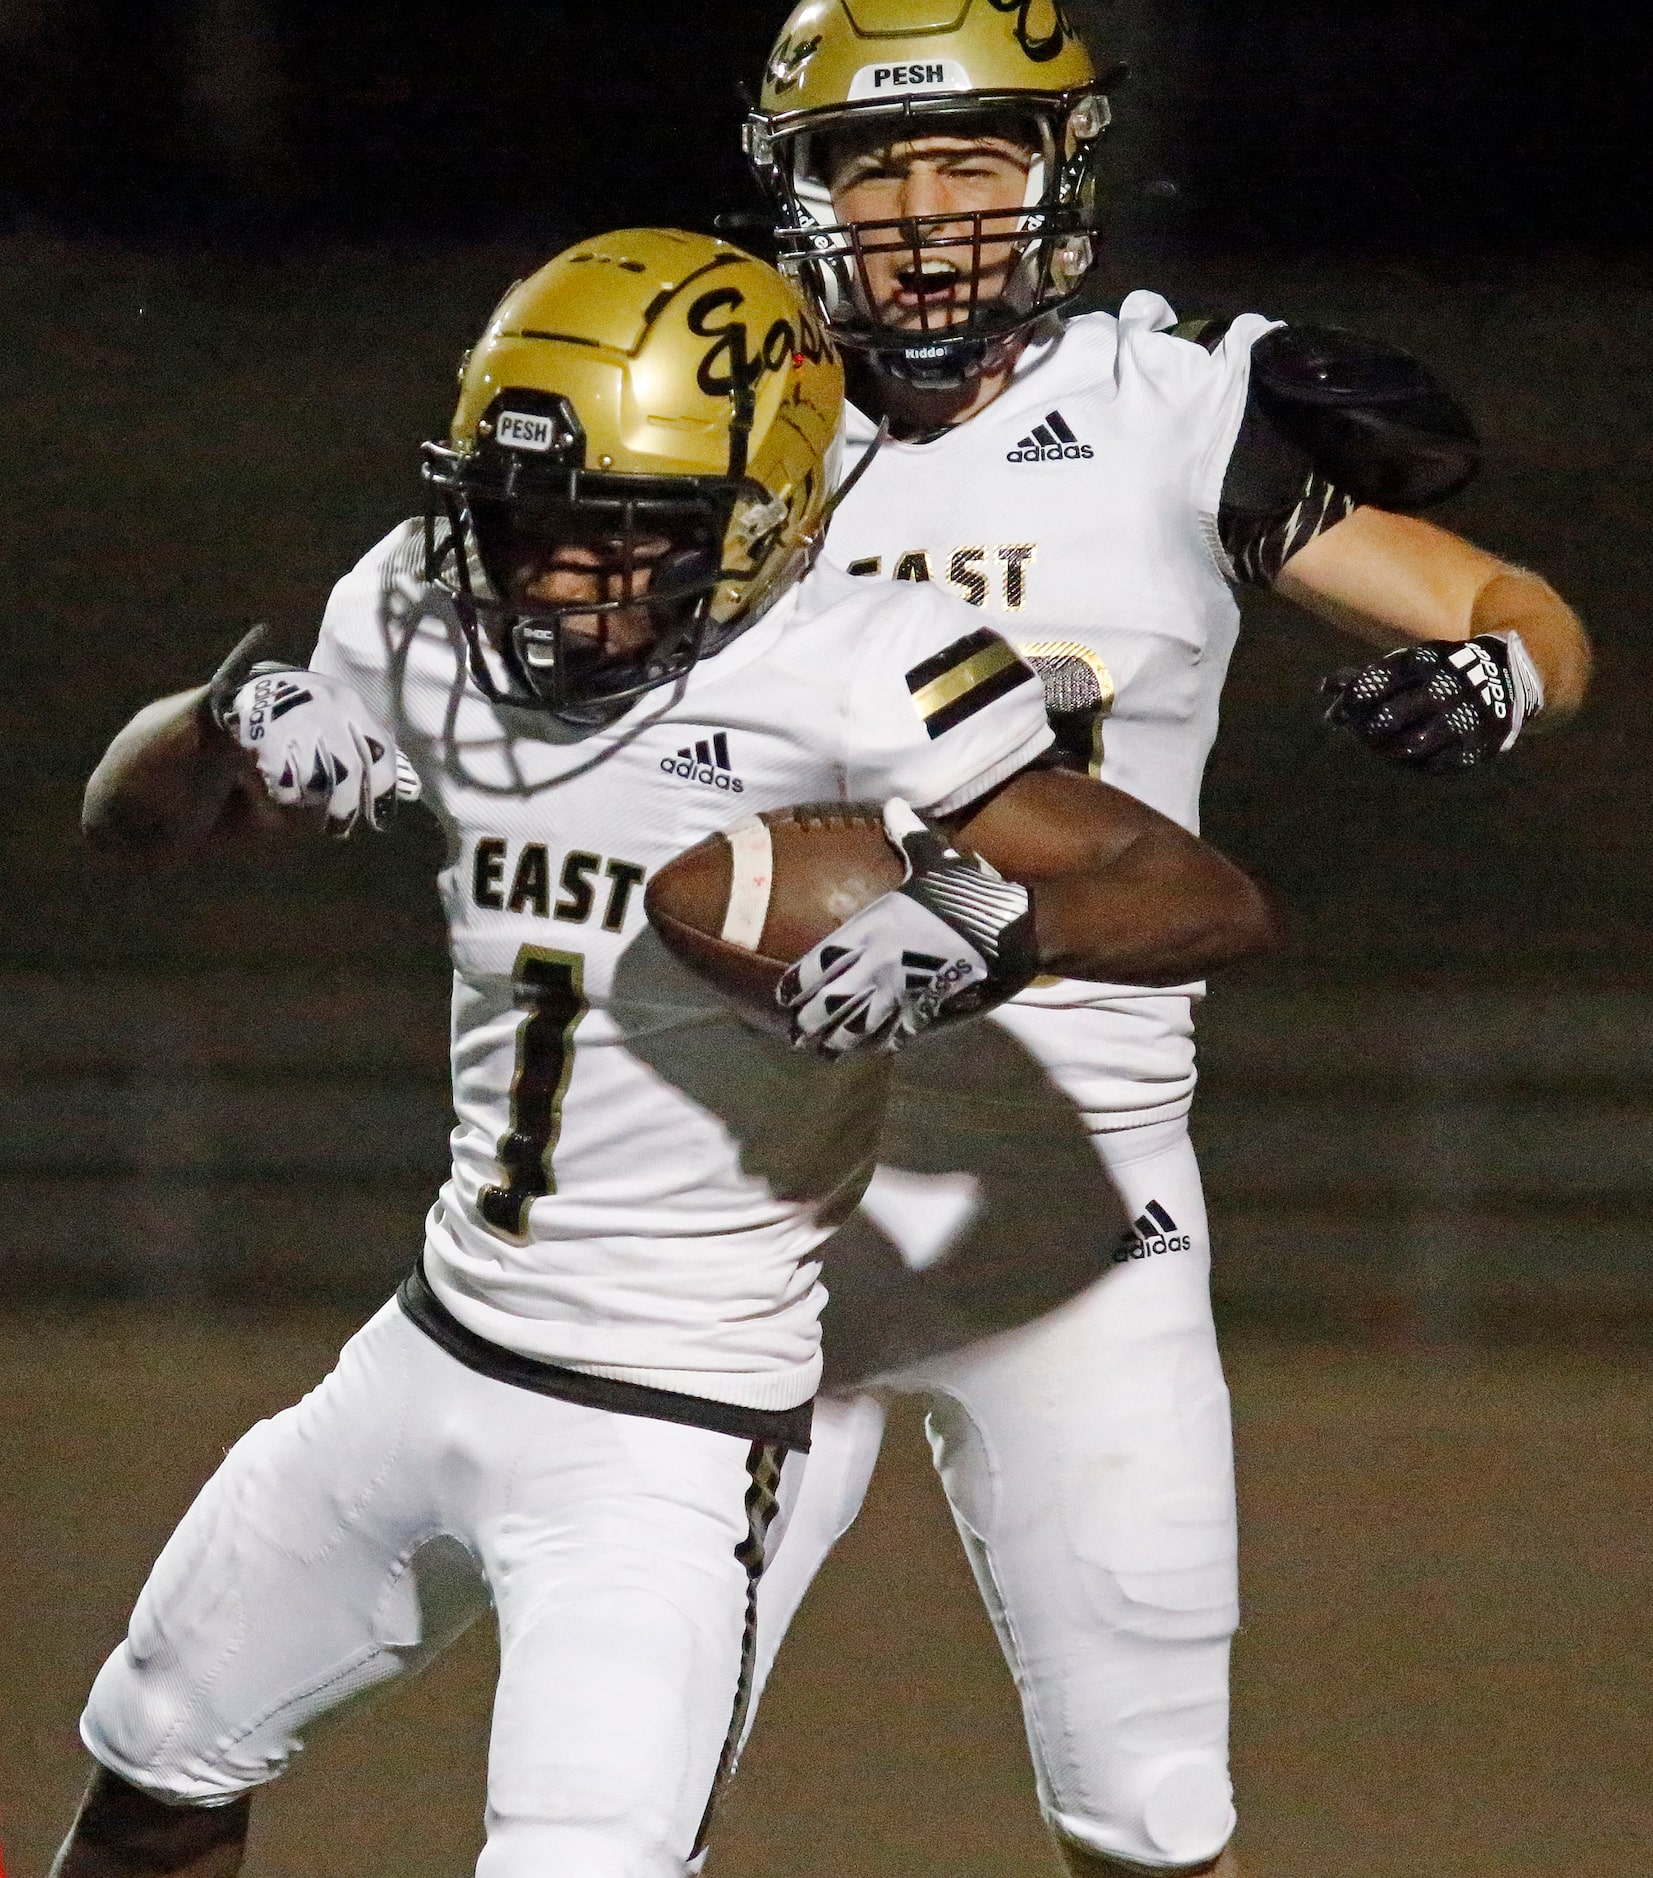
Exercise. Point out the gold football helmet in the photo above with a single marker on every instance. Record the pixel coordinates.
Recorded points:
(926, 68)
(638, 467)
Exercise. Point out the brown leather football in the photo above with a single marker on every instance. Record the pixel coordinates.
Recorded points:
(743, 905)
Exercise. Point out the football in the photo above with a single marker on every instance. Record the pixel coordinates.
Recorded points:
(743, 905)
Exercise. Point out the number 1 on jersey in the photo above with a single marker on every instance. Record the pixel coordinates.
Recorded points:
(549, 987)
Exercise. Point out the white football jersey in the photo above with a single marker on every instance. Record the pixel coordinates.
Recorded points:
(1082, 505)
(640, 1181)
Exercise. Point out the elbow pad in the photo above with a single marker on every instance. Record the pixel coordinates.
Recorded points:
(1363, 416)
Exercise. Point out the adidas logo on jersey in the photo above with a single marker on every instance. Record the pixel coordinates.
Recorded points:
(705, 762)
(1049, 442)
(1154, 1231)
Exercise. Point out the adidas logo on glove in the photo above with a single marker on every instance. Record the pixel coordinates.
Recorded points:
(1152, 1233)
(1481, 672)
(1049, 442)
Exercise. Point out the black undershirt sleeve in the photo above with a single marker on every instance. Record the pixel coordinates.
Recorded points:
(1259, 546)
(1274, 500)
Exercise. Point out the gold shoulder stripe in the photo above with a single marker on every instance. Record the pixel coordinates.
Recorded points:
(965, 678)
(962, 678)
(949, 656)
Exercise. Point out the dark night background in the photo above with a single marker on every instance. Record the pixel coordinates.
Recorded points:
(243, 244)
(1375, 126)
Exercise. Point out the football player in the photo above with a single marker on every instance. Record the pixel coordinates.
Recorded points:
(586, 1403)
(1097, 488)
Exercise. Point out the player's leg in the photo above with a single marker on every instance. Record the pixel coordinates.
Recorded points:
(934, 1260)
(625, 1566)
(309, 1570)
(844, 1442)
(1084, 1863)
(122, 1832)
(1087, 1457)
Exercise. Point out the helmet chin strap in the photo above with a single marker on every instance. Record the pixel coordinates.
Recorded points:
(940, 364)
(932, 364)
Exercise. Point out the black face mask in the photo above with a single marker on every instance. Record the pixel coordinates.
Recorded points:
(952, 342)
(549, 663)
(576, 665)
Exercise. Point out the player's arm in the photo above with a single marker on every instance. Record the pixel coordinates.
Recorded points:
(1048, 872)
(1119, 892)
(1342, 442)
(1015, 868)
(171, 785)
(1392, 579)
(238, 757)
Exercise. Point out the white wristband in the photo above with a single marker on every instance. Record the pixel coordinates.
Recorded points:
(1526, 687)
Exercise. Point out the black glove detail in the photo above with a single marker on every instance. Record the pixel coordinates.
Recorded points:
(1442, 705)
(992, 914)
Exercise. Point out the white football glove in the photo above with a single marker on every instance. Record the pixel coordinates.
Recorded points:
(955, 939)
(317, 745)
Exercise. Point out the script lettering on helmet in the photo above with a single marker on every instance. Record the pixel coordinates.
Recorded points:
(813, 343)
(787, 66)
(730, 365)
(1030, 14)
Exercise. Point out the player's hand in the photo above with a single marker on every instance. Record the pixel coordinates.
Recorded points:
(1441, 705)
(317, 746)
(955, 939)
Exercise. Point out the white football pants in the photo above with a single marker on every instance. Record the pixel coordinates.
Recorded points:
(350, 1537)
(1087, 1458)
